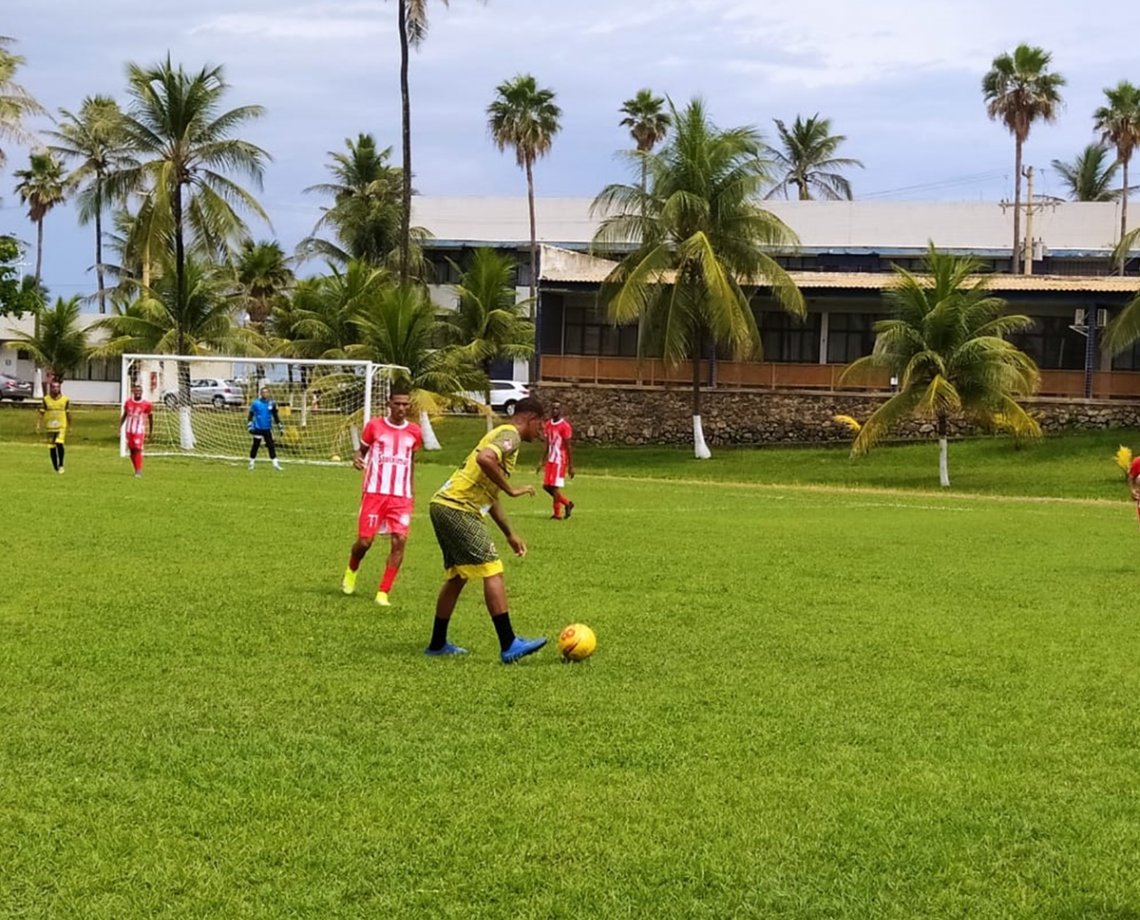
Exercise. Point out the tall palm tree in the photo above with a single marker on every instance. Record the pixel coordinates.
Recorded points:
(60, 343)
(184, 148)
(264, 276)
(16, 103)
(946, 344)
(366, 213)
(525, 118)
(93, 139)
(647, 120)
(489, 322)
(700, 236)
(41, 187)
(1119, 125)
(1019, 90)
(807, 160)
(399, 326)
(1088, 177)
(323, 309)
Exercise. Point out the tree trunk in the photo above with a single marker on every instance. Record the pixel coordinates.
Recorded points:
(700, 448)
(99, 244)
(431, 442)
(39, 251)
(406, 114)
(943, 453)
(38, 379)
(533, 229)
(1124, 213)
(1015, 260)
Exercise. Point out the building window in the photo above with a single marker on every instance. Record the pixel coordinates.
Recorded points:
(1052, 344)
(588, 333)
(850, 336)
(1129, 359)
(105, 370)
(788, 338)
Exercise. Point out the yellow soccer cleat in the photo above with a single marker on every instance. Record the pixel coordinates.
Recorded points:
(348, 583)
(382, 599)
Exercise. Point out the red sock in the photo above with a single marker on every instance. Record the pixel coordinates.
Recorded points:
(557, 505)
(389, 577)
(136, 460)
(562, 500)
(353, 562)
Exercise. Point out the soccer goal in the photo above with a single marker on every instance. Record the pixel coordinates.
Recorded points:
(201, 403)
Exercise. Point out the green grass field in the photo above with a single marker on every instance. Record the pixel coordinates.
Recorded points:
(823, 689)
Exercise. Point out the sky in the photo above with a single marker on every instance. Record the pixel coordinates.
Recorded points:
(899, 78)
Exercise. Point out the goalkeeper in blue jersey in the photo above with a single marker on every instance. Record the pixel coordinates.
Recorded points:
(262, 417)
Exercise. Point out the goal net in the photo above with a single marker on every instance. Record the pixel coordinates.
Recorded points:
(201, 404)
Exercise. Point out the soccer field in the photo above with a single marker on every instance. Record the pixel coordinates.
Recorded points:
(808, 701)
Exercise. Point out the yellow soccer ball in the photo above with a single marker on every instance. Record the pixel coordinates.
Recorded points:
(335, 458)
(577, 642)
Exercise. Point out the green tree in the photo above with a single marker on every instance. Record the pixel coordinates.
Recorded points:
(60, 343)
(1019, 90)
(489, 322)
(1089, 177)
(41, 187)
(525, 118)
(1124, 330)
(946, 344)
(16, 103)
(15, 298)
(94, 141)
(264, 277)
(648, 122)
(323, 310)
(1119, 125)
(700, 235)
(806, 158)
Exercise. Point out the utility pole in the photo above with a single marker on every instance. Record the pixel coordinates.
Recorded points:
(1027, 262)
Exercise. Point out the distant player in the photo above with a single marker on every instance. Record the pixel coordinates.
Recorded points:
(262, 417)
(386, 454)
(1134, 482)
(139, 419)
(457, 511)
(559, 460)
(55, 419)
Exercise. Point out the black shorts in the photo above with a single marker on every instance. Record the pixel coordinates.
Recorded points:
(468, 550)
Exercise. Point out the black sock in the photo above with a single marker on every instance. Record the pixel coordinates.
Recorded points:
(59, 451)
(502, 623)
(439, 633)
(54, 461)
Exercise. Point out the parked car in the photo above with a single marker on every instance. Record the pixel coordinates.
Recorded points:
(216, 391)
(505, 395)
(14, 389)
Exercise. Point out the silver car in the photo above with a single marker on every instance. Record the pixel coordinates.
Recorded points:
(14, 389)
(216, 391)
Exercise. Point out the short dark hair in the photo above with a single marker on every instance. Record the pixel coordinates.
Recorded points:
(531, 405)
(399, 388)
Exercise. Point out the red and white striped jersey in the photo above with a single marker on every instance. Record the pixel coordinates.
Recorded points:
(136, 413)
(388, 463)
(556, 434)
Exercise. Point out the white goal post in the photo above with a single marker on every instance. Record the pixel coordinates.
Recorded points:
(201, 403)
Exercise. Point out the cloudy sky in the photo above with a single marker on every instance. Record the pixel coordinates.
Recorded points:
(900, 78)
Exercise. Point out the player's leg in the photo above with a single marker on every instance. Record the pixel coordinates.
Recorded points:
(254, 448)
(272, 448)
(59, 453)
(444, 607)
(511, 647)
(356, 556)
(392, 566)
(53, 452)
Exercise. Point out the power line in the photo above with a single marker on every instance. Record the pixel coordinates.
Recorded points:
(970, 179)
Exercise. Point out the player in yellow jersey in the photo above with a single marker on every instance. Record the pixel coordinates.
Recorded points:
(457, 511)
(55, 418)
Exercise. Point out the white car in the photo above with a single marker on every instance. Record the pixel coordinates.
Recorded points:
(505, 395)
(216, 391)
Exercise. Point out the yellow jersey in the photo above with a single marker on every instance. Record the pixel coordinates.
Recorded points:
(55, 412)
(469, 489)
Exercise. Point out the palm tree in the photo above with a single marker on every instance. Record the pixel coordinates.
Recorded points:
(399, 326)
(807, 160)
(946, 344)
(60, 343)
(15, 299)
(41, 187)
(647, 120)
(489, 322)
(94, 140)
(263, 273)
(366, 214)
(183, 143)
(1019, 90)
(1119, 125)
(1088, 177)
(323, 309)
(524, 117)
(700, 235)
(16, 103)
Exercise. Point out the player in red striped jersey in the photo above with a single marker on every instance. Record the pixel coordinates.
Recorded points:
(139, 419)
(386, 455)
(559, 460)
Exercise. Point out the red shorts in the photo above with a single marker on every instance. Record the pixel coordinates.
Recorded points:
(555, 475)
(135, 441)
(384, 514)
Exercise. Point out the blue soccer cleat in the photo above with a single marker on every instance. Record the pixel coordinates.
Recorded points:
(520, 648)
(448, 649)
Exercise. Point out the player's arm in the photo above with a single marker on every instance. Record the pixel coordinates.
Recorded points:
(276, 417)
(1134, 487)
(67, 413)
(358, 457)
(149, 423)
(566, 443)
(123, 416)
(488, 461)
(43, 408)
(499, 516)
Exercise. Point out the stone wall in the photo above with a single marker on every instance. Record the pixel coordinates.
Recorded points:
(657, 415)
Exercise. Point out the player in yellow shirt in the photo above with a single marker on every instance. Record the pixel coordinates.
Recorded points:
(457, 511)
(54, 418)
